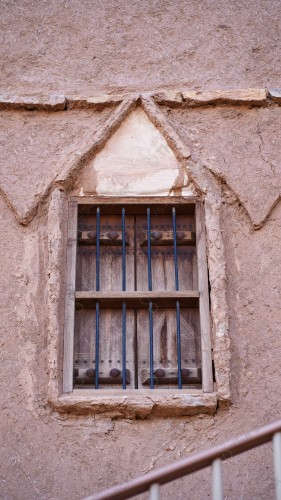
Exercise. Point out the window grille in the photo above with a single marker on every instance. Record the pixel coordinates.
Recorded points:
(134, 284)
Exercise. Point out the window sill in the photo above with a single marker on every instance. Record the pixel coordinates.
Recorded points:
(136, 404)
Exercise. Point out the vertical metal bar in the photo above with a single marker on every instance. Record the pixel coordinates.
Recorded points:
(97, 343)
(150, 303)
(276, 441)
(149, 251)
(178, 316)
(124, 303)
(98, 250)
(151, 346)
(97, 289)
(217, 488)
(136, 372)
(154, 492)
(124, 345)
(175, 248)
(123, 251)
(177, 303)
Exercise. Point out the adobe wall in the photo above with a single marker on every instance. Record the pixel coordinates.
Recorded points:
(71, 47)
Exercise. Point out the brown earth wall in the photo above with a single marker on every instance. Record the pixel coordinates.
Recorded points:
(85, 46)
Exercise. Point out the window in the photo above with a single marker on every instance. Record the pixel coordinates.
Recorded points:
(137, 304)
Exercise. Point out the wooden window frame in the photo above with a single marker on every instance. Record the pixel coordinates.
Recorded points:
(203, 285)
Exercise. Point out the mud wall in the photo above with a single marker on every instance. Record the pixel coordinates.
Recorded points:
(71, 46)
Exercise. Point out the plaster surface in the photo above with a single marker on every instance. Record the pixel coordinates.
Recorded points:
(82, 48)
(136, 160)
(73, 45)
(48, 455)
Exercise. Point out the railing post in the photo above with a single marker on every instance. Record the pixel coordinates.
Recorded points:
(217, 488)
(276, 441)
(154, 492)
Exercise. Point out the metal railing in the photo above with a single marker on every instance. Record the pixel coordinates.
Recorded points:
(152, 481)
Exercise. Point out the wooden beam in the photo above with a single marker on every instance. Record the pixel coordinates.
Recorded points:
(135, 200)
(70, 298)
(137, 300)
(204, 308)
(109, 238)
(162, 376)
(166, 238)
(160, 205)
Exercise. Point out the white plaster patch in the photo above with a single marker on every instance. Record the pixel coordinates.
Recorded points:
(136, 161)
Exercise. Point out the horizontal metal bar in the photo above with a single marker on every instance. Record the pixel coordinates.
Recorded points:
(190, 464)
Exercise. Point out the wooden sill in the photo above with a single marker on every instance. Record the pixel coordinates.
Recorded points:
(136, 403)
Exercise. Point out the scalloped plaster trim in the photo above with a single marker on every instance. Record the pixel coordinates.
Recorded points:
(92, 144)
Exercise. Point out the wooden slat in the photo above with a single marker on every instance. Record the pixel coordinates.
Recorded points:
(162, 256)
(86, 377)
(110, 255)
(203, 286)
(109, 238)
(70, 298)
(136, 300)
(110, 352)
(164, 376)
(165, 238)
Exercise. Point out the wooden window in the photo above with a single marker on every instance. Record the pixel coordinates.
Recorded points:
(137, 302)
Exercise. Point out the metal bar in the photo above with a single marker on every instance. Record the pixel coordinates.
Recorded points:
(151, 345)
(98, 249)
(179, 343)
(97, 289)
(217, 480)
(150, 303)
(97, 343)
(123, 252)
(276, 441)
(124, 303)
(177, 303)
(190, 464)
(175, 248)
(154, 492)
(124, 345)
(149, 251)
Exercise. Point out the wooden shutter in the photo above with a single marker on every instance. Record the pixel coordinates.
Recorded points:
(193, 282)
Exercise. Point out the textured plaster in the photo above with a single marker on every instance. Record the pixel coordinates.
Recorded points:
(136, 142)
(86, 48)
(62, 467)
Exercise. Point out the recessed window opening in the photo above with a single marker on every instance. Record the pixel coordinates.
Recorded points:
(137, 300)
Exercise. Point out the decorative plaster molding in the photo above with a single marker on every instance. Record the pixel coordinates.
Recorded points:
(251, 97)
(33, 102)
(92, 144)
(136, 404)
(178, 97)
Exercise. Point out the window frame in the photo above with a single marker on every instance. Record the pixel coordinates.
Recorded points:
(203, 284)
